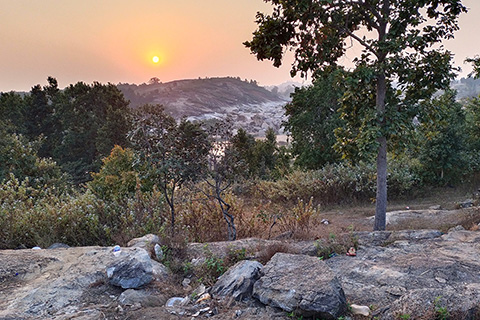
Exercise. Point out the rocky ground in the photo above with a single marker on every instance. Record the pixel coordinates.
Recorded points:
(403, 274)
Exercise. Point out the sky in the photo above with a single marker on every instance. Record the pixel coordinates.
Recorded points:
(115, 40)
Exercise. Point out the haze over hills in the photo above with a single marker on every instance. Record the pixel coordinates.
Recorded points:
(250, 106)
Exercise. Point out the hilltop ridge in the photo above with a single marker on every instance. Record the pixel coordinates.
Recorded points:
(250, 106)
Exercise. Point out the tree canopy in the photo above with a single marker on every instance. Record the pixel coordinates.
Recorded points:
(401, 61)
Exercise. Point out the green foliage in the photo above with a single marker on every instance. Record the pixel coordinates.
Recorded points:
(401, 46)
(117, 177)
(39, 216)
(339, 183)
(259, 158)
(12, 107)
(472, 109)
(20, 157)
(93, 119)
(442, 140)
(312, 118)
(172, 153)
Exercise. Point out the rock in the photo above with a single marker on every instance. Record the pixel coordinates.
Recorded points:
(466, 204)
(58, 245)
(159, 271)
(186, 282)
(177, 302)
(146, 242)
(456, 228)
(131, 271)
(396, 276)
(38, 284)
(436, 207)
(382, 238)
(361, 310)
(145, 299)
(302, 284)
(157, 249)
(238, 281)
(436, 302)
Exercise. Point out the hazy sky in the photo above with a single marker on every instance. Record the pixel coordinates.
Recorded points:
(115, 40)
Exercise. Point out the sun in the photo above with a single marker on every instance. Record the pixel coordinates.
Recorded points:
(155, 59)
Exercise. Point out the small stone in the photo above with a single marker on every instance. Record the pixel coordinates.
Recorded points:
(361, 310)
(186, 282)
(440, 280)
(436, 207)
(158, 252)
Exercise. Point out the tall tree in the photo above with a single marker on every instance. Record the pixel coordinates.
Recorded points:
(399, 41)
(173, 153)
(313, 115)
(93, 118)
(443, 138)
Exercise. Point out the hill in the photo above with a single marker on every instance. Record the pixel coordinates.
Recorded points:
(250, 106)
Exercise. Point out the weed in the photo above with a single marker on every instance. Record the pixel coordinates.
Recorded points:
(404, 316)
(441, 313)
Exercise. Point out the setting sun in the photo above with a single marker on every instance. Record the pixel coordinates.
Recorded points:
(155, 59)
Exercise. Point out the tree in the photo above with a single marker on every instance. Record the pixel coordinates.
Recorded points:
(224, 167)
(11, 111)
(93, 119)
(172, 153)
(442, 140)
(313, 115)
(398, 40)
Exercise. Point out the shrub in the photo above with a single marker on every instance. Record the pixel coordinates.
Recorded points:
(338, 183)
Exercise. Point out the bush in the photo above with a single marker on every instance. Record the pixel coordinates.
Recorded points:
(338, 183)
(39, 216)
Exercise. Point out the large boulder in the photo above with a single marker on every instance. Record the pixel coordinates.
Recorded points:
(238, 281)
(131, 270)
(302, 284)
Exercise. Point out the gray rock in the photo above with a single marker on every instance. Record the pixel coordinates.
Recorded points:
(456, 228)
(238, 281)
(159, 271)
(466, 204)
(146, 242)
(302, 284)
(382, 238)
(436, 207)
(412, 270)
(131, 271)
(144, 298)
(58, 245)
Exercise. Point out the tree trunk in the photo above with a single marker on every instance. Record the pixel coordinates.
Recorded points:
(381, 200)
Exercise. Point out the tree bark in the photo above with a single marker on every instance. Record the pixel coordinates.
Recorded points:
(381, 199)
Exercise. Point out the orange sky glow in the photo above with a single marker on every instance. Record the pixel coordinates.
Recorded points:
(116, 40)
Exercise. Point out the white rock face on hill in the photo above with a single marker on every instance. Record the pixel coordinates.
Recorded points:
(251, 107)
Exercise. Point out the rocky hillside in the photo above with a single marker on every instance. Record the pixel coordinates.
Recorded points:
(250, 106)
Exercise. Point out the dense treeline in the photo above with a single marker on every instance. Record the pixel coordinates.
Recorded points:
(75, 127)
(78, 166)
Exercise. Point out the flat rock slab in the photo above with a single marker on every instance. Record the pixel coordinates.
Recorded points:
(301, 284)
(395, 279)
(49, 284)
